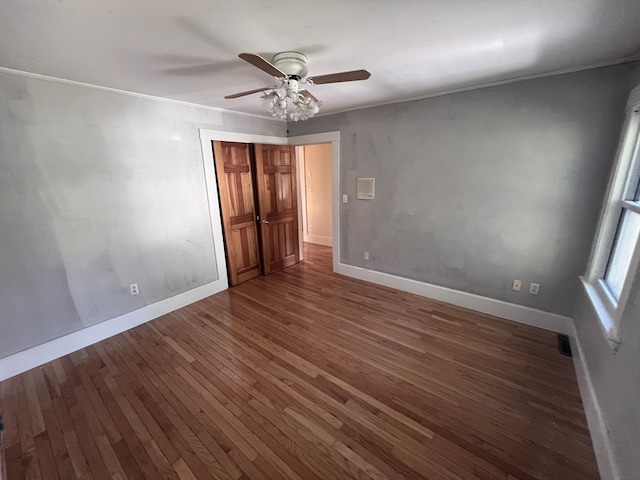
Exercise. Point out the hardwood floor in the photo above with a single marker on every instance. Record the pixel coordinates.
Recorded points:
(304, 375)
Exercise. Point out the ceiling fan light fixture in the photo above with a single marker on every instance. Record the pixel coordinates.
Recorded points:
(269, 99)
(284, 106)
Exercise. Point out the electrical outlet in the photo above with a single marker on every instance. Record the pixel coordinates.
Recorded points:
(133, 288)
(517, 285)
(345, 198)
(534, 288)
(366, 255)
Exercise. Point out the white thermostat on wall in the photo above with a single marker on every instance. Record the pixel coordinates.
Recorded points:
(366, 189)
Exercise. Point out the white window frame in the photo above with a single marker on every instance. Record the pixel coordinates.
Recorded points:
(624, 178)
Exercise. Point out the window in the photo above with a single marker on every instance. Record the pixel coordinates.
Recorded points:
(616, 253)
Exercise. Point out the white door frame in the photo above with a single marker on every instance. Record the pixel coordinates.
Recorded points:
(302, 198)
(208, 136)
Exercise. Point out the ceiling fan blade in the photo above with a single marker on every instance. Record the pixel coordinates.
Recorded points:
(262, 64)
(340, 77)
(248, 92)
(307, 93)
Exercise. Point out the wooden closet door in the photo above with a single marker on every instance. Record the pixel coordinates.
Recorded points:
(237, 204)
(277, 205)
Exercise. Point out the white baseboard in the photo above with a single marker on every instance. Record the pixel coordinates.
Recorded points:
(318, 240)
(595, 420)
(36, 356)
(498, 308)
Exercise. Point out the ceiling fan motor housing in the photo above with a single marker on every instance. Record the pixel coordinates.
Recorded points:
(291, 87)
(291, 63)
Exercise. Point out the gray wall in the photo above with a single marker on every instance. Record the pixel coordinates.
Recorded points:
(615, 375)
(99, 190)
(478, 188)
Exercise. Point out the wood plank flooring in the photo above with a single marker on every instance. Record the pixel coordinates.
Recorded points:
(304, 375)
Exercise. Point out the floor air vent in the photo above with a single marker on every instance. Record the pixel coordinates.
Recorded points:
(563, 345)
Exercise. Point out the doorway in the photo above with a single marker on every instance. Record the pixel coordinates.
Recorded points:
(316, 192)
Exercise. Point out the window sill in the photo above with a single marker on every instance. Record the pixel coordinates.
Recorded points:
(602, 307)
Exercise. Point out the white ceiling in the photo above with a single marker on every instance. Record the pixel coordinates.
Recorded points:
(187, 50)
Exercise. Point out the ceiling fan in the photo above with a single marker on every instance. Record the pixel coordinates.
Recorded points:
(287, 100)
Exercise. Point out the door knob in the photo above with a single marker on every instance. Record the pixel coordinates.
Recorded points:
(265, 221)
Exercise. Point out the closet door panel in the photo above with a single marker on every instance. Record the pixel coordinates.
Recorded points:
(277, 205)
(237, 204)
